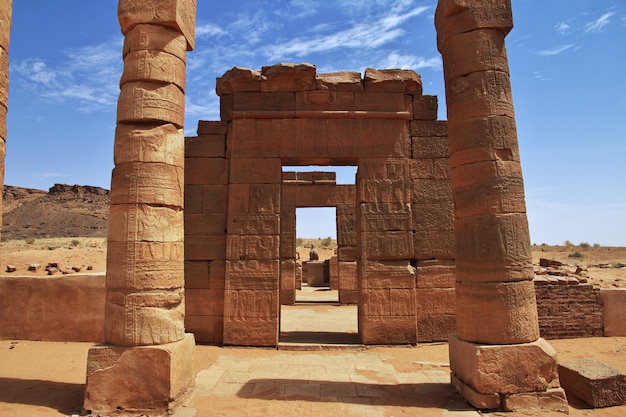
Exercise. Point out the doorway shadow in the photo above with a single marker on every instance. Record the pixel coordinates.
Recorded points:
(419, 395)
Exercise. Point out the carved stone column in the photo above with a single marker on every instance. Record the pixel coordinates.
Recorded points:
(147, 363)
(6, 8)
(497, 358)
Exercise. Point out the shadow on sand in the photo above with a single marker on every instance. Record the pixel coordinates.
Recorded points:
(61, 396)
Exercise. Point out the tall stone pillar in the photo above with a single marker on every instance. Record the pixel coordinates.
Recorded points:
(6, 9)
(497, 358)
(147, 361)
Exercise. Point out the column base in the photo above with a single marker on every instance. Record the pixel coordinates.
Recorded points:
(507, 377)
(139, 379)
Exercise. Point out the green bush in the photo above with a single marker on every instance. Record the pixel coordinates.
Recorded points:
(584, 245)
(576, 255)
(29, 240)
(75, 242)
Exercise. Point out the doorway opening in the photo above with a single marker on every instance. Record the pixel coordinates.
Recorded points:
(315, 196)
(317, 317)
(316, 244)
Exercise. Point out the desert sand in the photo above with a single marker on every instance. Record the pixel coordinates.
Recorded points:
(47, 379)
(41, 379)
(602, 266)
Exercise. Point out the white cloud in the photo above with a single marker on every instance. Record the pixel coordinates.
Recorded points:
(35, 70)
(43, 176)
(209, 31)
(563, 28)
(599, 24)
(362, 35)
(554, 51)
(207, 109)
(250, 29)
(298, 9)
(397, 60)
(87, 77)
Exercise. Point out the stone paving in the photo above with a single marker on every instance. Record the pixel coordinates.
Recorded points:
(351, 384)
(318, 320)
(373, 382)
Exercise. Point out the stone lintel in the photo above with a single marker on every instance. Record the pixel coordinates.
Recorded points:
(142, 379)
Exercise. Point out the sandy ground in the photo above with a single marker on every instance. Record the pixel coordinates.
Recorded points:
(601, 264)
(40, 379)
(47, 379)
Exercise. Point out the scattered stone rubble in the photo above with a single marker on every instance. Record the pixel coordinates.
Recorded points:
(556, 272)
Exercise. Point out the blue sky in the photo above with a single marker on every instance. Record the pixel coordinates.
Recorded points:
(567, 63)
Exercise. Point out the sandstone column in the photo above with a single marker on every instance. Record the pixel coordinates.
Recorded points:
(6, 7)
(497, 358)
(148, 361)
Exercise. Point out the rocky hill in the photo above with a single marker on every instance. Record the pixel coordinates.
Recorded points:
(63, 211)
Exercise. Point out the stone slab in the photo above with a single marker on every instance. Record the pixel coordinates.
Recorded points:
(614, 311)
(144, 379)
(315, 274)
(504, 369)
(594, 382)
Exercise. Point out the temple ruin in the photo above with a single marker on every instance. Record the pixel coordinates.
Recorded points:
(438, 210)
(395, 225)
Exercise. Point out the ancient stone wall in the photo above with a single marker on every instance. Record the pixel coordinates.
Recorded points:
(206, 205)
(614, 311)
(318, 189)
(497, 358)
(568, 308)
(395, 226)
(6, 11)
(59, 309)
(147, 362)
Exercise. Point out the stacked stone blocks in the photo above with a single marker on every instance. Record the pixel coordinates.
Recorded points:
(567, 308)
(6, 10)
(319, 189)
(395, 226)
(206, 205)
(495, 299)
(144, 307)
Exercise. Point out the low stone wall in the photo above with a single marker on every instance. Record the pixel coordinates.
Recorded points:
(568, 308)
(71, 308)
(67, 308)
(614, 311)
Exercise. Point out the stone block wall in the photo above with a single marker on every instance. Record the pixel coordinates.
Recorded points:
(206, 204)
(568, 308)
(6, 9)
(614, 311)
(317, 189)
(66, 308)
(395, 225)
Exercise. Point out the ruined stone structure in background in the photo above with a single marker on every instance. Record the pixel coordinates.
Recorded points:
(407, 181)
(497, 337)
(147, 361)
(6, 7)
(318, 189)
(395, 225)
